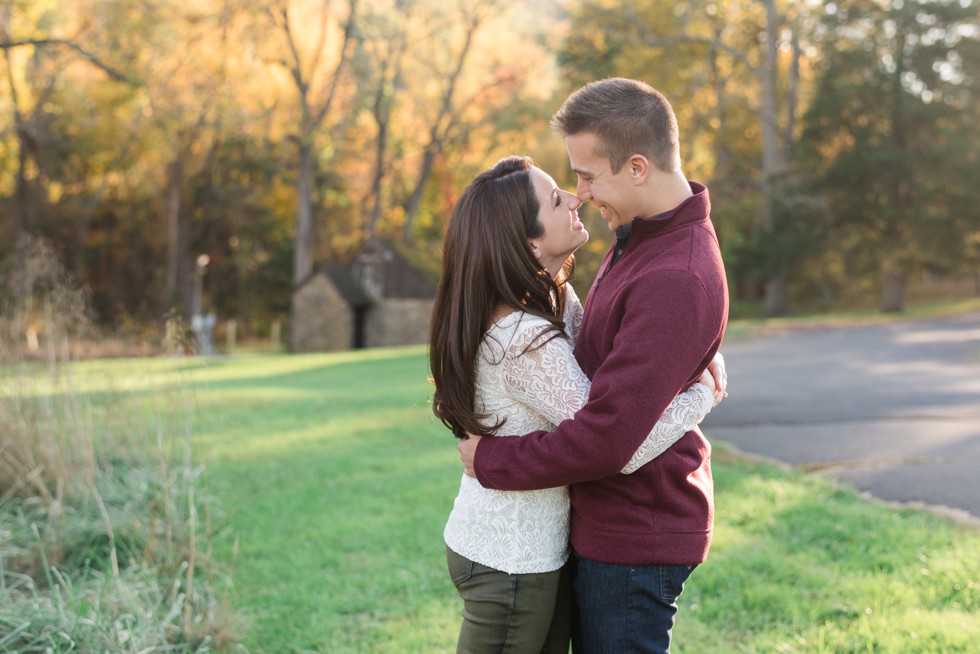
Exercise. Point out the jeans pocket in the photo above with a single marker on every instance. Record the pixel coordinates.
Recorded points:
(672, 578)
(460, 568)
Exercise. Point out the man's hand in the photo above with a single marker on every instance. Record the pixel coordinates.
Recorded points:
(467, 452)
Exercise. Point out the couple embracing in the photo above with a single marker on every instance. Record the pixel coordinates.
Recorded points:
(586, 527)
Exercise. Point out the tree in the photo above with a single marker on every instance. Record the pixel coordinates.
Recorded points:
(892, 85)
(316, 63)
(386, 39)
(35, 62)
(475, 80)
(446, 116)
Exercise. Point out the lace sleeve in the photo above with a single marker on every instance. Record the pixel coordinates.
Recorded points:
(573, 313)
(686, 411)
(548, 379)
(545, 376)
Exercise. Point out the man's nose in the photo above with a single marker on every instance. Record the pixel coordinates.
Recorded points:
(583, 191)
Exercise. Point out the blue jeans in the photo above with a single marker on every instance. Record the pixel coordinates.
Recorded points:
(625, 609)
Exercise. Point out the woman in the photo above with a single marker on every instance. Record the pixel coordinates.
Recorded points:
(501, 339)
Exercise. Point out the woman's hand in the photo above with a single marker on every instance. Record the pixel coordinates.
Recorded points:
(716, 378)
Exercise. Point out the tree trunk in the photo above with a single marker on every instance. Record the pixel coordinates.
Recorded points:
(381, 145)
(310, 123)
(24, 209)
(185, 269)
(773, 163)
(81, 232)
(792, 95)
(23, 224)
(172, 210)
(893, 291)
(178, 285)
(776, 299)
(303, 255)
(899, 193)
(415, 201)
(389, 79)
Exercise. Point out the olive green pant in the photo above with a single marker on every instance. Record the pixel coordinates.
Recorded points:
(511, 614)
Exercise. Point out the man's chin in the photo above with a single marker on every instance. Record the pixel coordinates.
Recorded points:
(610, 219)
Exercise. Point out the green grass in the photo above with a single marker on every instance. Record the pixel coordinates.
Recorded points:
(335, 481)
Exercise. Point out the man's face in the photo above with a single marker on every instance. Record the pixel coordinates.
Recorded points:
(614, 194)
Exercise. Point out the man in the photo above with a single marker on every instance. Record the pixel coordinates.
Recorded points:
(654, 319)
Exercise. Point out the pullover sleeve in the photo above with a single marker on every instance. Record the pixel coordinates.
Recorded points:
(549, 379)
(665, 339)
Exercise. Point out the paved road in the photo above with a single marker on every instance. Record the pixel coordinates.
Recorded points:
(893, 409)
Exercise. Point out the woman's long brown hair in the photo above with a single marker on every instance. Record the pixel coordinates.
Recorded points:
(487, 262)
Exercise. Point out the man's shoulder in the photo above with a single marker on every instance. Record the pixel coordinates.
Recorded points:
(686, 276)
(688, 252)
(670, 281)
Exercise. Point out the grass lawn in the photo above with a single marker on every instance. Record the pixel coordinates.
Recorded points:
(334, 482)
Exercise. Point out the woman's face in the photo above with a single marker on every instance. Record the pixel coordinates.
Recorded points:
(558, 215)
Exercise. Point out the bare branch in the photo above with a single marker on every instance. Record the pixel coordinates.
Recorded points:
(344, 55)
(296, 69)
(71, 45)
(321, 40)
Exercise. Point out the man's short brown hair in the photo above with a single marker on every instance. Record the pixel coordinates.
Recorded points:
(628, 117)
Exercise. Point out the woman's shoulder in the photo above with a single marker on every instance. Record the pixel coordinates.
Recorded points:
(515, 332)
(520, 321)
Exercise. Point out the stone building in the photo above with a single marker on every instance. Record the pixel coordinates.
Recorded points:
(380, 300)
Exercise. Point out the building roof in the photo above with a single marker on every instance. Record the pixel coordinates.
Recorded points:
(401, 279)
(349, 288)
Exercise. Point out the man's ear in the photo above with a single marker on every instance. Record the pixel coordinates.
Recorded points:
(639, 168)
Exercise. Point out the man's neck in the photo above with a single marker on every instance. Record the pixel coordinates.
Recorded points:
(664, 192)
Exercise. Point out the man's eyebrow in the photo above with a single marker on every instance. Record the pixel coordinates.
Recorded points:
(580, 171)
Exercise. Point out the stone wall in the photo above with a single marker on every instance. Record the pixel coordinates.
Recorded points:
(322, 318)
(398, 321)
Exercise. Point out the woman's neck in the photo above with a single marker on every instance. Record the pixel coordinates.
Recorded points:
(553, 266)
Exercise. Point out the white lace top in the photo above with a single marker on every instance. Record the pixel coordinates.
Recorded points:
(521, 532)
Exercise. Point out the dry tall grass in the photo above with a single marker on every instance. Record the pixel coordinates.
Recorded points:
(105, 522)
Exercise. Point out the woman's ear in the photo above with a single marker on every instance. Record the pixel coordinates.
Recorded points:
(535, 247)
